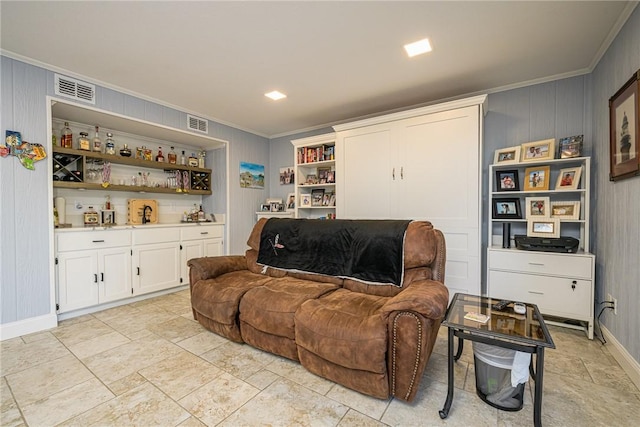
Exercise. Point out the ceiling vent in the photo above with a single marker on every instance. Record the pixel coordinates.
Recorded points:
(198, 124)
(76, 89)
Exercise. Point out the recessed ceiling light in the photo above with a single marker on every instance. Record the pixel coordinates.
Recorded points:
(275, 95)
(417, 48)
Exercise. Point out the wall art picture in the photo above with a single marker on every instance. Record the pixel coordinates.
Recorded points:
(624, 125)
(251, 175)
(286, 175)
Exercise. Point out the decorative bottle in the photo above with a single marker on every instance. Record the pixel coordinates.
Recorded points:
(97, 143)
(173, 158)
(160, 156)
(183, 159)
(201, 156)
(83, 142)
(67, 137)
(110, 145)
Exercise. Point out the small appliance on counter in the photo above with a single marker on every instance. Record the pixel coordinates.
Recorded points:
(142, 211)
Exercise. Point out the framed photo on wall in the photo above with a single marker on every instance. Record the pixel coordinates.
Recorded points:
(506, 209)
(538, 150)
(537, 178)
(569, 178)
(507, 180)
(624, 126)
(543, 227)
(537, 207)
(507, 155)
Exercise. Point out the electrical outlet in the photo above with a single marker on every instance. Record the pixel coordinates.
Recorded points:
(615, 303)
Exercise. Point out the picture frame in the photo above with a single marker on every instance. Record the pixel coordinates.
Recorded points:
(291, 202)
(538, 150)
(565, 209)
(273, 200)
(506, 208)
(311, 179)
(287, 175)
(507, 155)
(569, 178)
(543, 227)
(507, 180)
(108, 218)
(332, 200)
(331, 177)
(624, 127)
(323, 174)
(277, 207)
(537, 178)
(537, 207)
(316, 197)
(326, 198)
(265, 207)
(305, 200)
(570, 147)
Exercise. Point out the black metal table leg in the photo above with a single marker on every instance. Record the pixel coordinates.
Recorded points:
(460, 348)
(537, 399)
(444, 413)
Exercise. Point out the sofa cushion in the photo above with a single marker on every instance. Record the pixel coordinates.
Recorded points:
(270, 308)
(345, 328)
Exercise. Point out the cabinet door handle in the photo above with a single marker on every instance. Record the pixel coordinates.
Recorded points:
(95, 278)
(536, 292)
(537, 263)
(102, 277)
(204, 232)
(393, 174)
(402, 172)
(138, 271)
(98, 241)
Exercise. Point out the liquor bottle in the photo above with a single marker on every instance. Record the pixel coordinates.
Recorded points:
(83, 142)
(160, 156)
(193, 160)
(110, 145)
(201, 214)
(201, 156)
(67, 137)
(173, 158)
(97, 143)
(183, 159)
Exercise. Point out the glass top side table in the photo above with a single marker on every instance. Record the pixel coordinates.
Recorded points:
(504, 328)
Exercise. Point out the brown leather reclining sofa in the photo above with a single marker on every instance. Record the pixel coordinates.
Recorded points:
(376, 339)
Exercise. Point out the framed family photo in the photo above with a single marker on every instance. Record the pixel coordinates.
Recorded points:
(570, 147)
(569, 178)
(537, 178)
(543, 227)
(537, 207)
(291, 202)
(305, 200)
(506, 209)
(507, 155)
(624, 125)
(507, 180)
(538, 150)
(565, 210)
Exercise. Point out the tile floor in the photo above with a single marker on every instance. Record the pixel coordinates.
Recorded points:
(149, 364)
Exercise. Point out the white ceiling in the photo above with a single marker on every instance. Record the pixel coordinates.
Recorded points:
(336, 61)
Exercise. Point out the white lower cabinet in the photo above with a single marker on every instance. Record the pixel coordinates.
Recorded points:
(561, 285)
(97, 267)
(93, 268)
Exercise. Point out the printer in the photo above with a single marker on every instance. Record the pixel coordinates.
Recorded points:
(545, 244)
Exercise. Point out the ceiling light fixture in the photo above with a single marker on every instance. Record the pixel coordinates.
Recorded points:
(275, 95)
(418, 48)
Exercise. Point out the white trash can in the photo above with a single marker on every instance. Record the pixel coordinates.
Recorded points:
(501, 375)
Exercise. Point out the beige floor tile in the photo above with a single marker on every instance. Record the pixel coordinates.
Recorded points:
(38, 337)
(120, 311)
(139, 320)
(97, 345)
(192, 422)
(173, 303)
(218, 399)
(262, 379)
(202, 342)
(143, 406)
(610, 374)
(71, 335)
(117, 363)
(356, 419)
(179, 375)
(45, 379)
(67, 403)
(239, 360)
(285, 403)
(565, 364)
(176, 329)
(9, 411)
(297, 373)
(367, 405)
(127, 383)
(16, 355)
(74, 320)
(437, 369)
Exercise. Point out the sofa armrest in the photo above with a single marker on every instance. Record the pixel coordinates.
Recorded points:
(212, 267)
(426, 297)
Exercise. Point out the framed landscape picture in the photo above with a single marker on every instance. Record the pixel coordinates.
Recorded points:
(507, 180)
(624, 125)
(543, 227)
(506, 209)
(537, 207)
(538, 150)
(565, 210)
(537, 178)
(507, 155)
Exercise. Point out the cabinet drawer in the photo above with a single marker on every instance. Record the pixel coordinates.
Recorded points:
(557, 296)
(70, 241)
(550, 264)
(201, 232)
(156, 235)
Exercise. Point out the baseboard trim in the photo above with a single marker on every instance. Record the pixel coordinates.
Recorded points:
(622, 356)
(28, 326)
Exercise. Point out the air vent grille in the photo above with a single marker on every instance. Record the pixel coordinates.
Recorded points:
(198, 124)
(76, 89)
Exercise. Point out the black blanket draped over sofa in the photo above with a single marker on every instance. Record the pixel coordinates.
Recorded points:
(343, 248)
